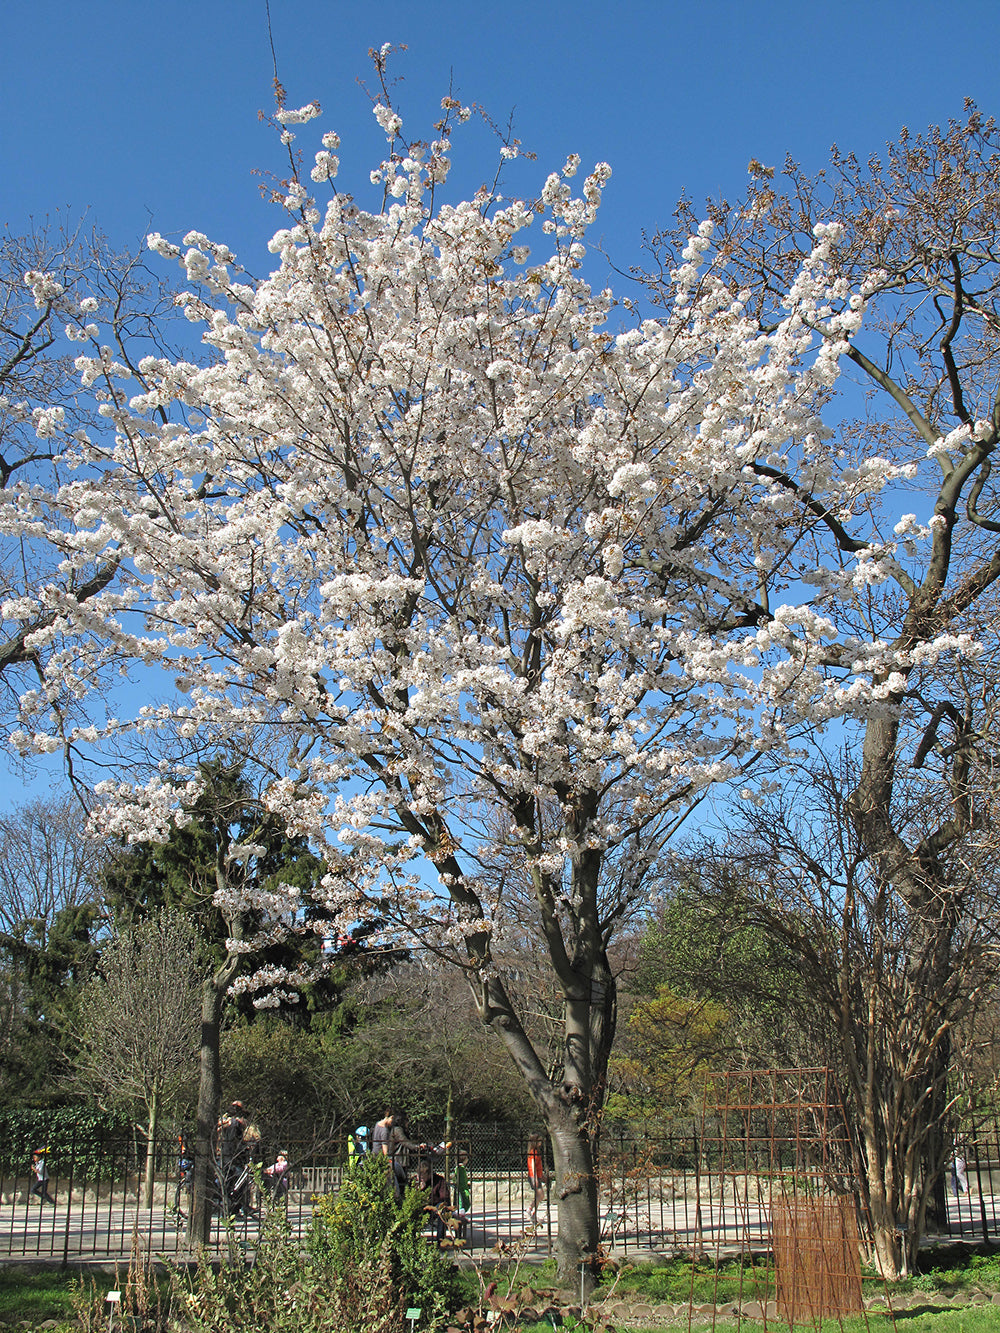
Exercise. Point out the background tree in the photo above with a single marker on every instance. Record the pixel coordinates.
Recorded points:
(138, 1021)
(668, 1046)
(417, 1044)
(50, 926)
(228, 866)
(919, 234)
(708, 989)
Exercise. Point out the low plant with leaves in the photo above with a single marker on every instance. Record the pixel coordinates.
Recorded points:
(362, 1229)
(284, 1291)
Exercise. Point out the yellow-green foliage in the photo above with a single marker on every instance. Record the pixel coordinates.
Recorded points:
(671, 1042)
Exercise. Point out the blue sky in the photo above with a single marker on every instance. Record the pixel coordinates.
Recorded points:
(146, 114)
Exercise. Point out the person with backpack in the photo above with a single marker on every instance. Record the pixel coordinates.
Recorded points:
(357, 1146)
(390, 1140)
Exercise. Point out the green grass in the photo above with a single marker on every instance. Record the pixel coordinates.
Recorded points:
(953, 1270)
(950, 1271)
(34, 1293)
(676, 1281)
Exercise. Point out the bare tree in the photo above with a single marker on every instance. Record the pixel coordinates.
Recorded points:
(421, 1046)
(918, 234)
(884, 1008)
(138, 1021)
(47, 862)
(48, 910)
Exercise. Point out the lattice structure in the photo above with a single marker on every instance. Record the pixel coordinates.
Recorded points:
(775, 1156)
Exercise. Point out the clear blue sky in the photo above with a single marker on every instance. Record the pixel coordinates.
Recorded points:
(146, 113)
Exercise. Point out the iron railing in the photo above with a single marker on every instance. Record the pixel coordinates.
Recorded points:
(662, 1193)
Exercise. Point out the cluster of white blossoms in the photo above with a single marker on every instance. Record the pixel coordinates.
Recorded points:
(469, 545)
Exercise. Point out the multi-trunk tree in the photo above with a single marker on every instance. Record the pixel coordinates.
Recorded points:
(506, 565)
(919, 232)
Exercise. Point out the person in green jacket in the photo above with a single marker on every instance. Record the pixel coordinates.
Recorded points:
(463, 1193)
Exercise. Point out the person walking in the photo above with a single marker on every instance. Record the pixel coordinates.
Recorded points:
(40, 1170)
(463, 1194)
(537, 1175)
(400, 1148)
(381, 1135)
(959, 1178)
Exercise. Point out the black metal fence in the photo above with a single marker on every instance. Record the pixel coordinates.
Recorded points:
(665, 1193)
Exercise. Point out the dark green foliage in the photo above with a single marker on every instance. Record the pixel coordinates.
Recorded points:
(83, 1140)
(707, 944)
(42, 969)
(274, 1068)
(391, 1045)
(363, 1229)
(182, 872)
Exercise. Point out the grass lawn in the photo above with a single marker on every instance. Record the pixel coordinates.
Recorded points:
(944, 1321)
(953, 1272)
(34, 1294)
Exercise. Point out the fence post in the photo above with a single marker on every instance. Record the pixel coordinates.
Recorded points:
(69, 1197)
(979, 1183)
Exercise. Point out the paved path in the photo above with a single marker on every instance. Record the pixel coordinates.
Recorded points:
(103, 1229)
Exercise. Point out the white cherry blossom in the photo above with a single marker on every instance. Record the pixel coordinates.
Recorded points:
(485, 555)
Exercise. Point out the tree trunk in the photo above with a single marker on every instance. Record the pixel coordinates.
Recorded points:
(937, 1145)
(209, 1100)
(570, 1101)
(576, 1192)
(152, 1130)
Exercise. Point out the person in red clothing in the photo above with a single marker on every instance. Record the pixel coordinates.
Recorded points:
(537, 1175)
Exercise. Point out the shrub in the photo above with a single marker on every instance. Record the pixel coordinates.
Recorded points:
(285, 1291)
(362, 1229)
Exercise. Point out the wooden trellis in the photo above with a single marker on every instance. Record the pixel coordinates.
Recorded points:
(776, 1154)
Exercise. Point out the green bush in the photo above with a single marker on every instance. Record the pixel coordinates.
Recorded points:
(284, 1291)
(361, 1228)
(86, 1143)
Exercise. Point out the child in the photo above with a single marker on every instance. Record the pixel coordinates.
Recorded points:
(357, 1146)
(40, 1171)
(276, 1176)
